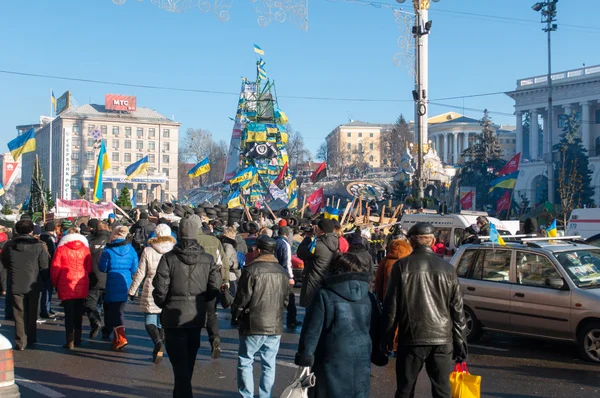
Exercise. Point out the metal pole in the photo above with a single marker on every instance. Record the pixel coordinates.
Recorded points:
(550, 164)
(419, 120)
(50, 147)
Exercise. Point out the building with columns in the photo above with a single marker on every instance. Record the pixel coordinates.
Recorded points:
(574, 91)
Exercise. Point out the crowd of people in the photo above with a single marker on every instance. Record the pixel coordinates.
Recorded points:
(179, 269)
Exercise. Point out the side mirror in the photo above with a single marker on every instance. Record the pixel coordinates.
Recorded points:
(556, 283)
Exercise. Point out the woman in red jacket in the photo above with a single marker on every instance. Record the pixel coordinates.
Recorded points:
(71, 266)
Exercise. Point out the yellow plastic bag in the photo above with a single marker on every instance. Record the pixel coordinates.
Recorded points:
(464, 384)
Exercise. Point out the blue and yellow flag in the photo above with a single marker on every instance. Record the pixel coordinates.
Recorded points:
(244, 175)
(234, 200)
(137, 168)
(551, 231)
(313, 245)
(201, 168)
(258, 50)
(281, 117)
(53, 100)
(103, 164)
(22, 144)
(261, 63)
(262, 73)
(495, 236)
(332, 213)
(134, 199)
(508, 181)
(248, 183)
(1, 189)
(292, 187)
(293, 203)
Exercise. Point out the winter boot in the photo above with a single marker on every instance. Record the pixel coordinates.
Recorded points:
(106, 334)
(77, 339)
(70, 341)
(216, 348)
(155, 335)
(95, 329)
(162, 334)
(120, 339)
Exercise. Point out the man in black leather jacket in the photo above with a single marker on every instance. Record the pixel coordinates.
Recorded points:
(258, 307)
(97, 242)
(424, 302)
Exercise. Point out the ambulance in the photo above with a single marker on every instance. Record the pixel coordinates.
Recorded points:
(584, 223)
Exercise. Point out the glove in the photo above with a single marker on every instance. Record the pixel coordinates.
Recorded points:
(460, 353)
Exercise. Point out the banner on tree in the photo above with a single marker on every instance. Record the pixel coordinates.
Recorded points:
(81, 208)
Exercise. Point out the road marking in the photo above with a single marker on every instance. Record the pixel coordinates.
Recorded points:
(489, 348)
(40, 389)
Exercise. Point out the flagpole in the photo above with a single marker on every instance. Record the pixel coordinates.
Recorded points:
(510, 204)
(50, 147)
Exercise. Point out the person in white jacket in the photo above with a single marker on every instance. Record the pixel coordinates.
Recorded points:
(151, 255)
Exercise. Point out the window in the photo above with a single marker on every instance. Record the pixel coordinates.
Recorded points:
(371, 146)
(127, 132)
(166, 171)
(514, 141)
(152, 170)
(165, 158)
(167, 146)
(115, 144)
(75, 155)
(91, 128)
(493, 266)
(75, 168)
(115, 156)
(501, 141)
(89, 156)
(166, 185)
(360, 134)
(90, 168)
(139, 144)
(151, 145)
(151, 158)
(371, 158)
(115, 169)
(91, 142)
(348, 134)
(371, 135)
(115, 130)
(459, 235)
(138, 156)
(127, 157)
(140, 132)
(151, 133)
(349, 158)
(443, 236)
(166, 133)
(534, 269)
(360, 147)
(465, 262)
(349, 145)
(127, 144)
(76, 129)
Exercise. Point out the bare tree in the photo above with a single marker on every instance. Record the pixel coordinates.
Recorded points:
(570, 184)
(296, 150)
(393, 142)
(199, 144)
(323, 153)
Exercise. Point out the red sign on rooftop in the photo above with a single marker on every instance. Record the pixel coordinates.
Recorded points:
(117, 102)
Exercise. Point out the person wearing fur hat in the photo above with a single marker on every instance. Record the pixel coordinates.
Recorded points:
(151, 255)
(120, 262)
(71, 266)
(358, 246)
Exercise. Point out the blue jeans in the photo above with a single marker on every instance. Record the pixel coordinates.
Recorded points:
(46, 297)
(153, 319)
(267, 346)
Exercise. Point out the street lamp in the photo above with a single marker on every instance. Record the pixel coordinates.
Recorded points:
(548, 12)
(420, 32)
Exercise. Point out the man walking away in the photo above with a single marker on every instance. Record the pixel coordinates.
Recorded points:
(262, 295)
(49, 238)
(97, 242)
(283, 252)
(26, 260)
(423, 301)
(140, 232)
(186, 280)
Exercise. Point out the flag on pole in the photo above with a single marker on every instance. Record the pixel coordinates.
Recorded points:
(293, 187)
(22, 144)
(103, 164)
(504, 202)
(201, 168)
(508, 181)
(1, 189)
(258, 50)
(466, 202)
(134, 199)
(316, 200)
(511, 166)
(320, 173)
(53, 100)
(281, 174)
(293, 203)
(551, 231)
(495, 235)
(137, 168)
(234, 199)
(244, 175)
(332, 213)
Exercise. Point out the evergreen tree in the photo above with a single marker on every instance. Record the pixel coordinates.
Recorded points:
(6, 209)
(483, 162)
(82, 192)
(574, 178)
(124, 199)
(49, 198)
(401, 190)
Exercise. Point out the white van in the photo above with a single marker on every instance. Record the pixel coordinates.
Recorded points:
(584, 222)
(450, 228)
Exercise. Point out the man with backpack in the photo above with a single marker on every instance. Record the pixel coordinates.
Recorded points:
(140, 232)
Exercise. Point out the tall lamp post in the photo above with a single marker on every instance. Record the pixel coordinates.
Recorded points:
(420, 32)
(548, 11)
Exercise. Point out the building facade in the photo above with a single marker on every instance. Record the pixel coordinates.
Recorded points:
(128, 136)
(355, 143)
(574, 91)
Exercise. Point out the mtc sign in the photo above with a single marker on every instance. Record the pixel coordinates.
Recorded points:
(116, 102)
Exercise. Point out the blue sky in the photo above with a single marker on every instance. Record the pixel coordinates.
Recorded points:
(346, 53)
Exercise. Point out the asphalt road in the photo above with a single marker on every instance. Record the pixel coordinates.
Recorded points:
(510, 367)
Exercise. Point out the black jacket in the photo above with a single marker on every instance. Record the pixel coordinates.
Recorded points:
(262, 295)
(186, 278)
(26, 259)
(316, 265)
(424, 301)
(50, 241)
(365, 258)
(97, 242)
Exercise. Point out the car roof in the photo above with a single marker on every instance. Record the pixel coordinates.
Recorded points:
(539, 245)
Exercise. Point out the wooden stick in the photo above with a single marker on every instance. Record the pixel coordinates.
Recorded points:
(337, 206)
(389, 203)
(382, 215)
(348, 206)
(303, 206)
(122, 211)
(271, 211)
(246, 211)
(327, 203)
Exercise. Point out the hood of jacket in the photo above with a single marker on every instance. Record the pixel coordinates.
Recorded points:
(227, 240)
(143, 222)
(357, 248)
(398, 249)
(74, 241)
(265, 258)
(119, 247)
(530, 226)
(162, 244)
(23, 242)
(351, 286)
(331, 241)
(188, 251)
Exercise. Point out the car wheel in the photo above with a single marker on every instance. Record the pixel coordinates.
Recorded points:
(473, 326)
(589, 342)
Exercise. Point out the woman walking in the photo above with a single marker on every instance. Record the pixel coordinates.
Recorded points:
(162, 243)
(71, 266)
(335, 340)
(120, 261)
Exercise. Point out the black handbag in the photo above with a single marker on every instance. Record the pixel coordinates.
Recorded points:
(378, 356)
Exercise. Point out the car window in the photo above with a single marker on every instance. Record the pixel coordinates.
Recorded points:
(493, 266)
(443, 236)
(534, 269)
(582, 266)
(465, 262)
(459, 235)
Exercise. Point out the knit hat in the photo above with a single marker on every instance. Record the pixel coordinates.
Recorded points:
(282, 223)
(162, 230)
(66, 224)
(188, 229)
(119, 232)
(93, 223)
(49, 227)
(143, 215)
(356, 239)
(325, 225)
(37, 230)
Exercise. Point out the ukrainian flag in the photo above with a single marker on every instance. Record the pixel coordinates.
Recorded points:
(234, 200)
(293, 203)
(22, 144)
(137, 168)
(261, 63)
(495, 235)
(282, 118)
(248, 183)
(244, 175)
(1, 190)
(199, 169)
(53, 100)
(293, 187)
(258, 50)
(332, 213)
(103, 164)
(551, 231)
(508, 181)
(313, 246)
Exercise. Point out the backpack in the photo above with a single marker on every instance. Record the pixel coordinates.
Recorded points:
(139, 239)
(241, 260)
